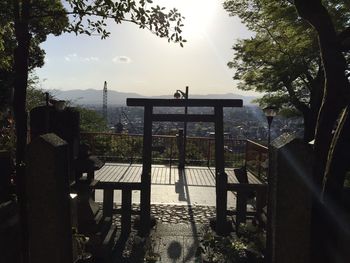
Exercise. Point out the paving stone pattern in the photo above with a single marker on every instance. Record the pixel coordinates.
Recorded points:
(175, 237)
(174, 214)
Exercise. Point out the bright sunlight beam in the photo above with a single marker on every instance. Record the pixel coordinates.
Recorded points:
(198, 15)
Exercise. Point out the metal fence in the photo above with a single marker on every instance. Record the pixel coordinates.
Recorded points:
(200, 151)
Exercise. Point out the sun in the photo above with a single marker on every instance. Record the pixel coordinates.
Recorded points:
(198, 14)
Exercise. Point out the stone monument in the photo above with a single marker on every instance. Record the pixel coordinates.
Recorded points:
(48, 200)
(289, 201)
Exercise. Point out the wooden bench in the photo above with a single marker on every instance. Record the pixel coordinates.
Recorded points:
(108, 193)
(247, 185)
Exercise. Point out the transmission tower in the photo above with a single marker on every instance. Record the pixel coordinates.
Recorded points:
(104, 106)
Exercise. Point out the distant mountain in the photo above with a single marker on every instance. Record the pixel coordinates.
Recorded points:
(94, 97)
(247, 100)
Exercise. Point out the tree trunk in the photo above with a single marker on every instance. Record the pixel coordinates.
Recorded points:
(309, 125)
(335, 99)
(316, 95)
(20, 87)
(337, 166)
(21, 57)
(338, 159)
(336, 84)
(309, 120)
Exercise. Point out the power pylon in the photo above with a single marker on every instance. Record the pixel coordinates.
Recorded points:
(104, 106)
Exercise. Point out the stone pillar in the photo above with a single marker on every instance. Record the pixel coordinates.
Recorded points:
(64, 123)
(289, 201)
(49, 215)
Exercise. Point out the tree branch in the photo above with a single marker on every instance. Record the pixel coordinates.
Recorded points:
(294, 99)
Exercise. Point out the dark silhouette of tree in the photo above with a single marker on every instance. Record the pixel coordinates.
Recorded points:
(282, 59)
(286, 56)
(332, 139)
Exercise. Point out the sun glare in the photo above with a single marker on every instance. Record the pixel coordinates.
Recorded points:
(198, 15)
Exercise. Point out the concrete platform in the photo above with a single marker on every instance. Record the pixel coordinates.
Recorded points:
(166, 194)
(195, 186)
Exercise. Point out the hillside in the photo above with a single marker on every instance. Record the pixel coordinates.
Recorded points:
(116, 98)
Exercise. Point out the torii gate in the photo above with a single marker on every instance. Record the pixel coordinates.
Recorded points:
(216, 118)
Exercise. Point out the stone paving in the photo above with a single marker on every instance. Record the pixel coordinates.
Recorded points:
(172, 242)
(175, 237)
(175, 214)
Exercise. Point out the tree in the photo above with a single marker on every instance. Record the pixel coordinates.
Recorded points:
(282, 59)
(22, 53)
(329, 22)
(337, 94)
(91, 121)
(88, 17)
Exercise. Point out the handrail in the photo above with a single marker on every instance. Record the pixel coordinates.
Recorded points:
(256, 159)
(257, 144)
(199, 150)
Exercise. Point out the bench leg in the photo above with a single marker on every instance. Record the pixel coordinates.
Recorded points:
(241, 207)
(126, 212)
(108, 202)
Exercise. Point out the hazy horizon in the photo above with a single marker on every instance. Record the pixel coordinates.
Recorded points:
(95, 97)
(157, 95)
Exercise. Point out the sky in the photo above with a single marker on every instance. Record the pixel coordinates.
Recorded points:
(135, 60)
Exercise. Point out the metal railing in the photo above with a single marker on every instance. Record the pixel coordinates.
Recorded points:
(200, 151)
(256, 159)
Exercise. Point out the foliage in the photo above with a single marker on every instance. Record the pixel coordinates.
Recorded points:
(195, 151)
(247, 246)
(7, 135)
(81, 241)
(35, 95)
(40, 27)
(151, 256)
(282, 59)
(282, 52)
(91, 121)
(114, 147)
(6, 40)
(125, 147)
(90, 17)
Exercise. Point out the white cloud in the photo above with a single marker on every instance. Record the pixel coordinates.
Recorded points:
(75, 57)
(121, 60)
(70, 57)
(91, 59)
